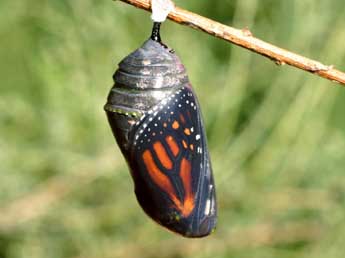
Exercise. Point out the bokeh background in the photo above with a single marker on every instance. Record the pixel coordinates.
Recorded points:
(276, 134)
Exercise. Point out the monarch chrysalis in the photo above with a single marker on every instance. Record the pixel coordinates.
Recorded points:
(156, 120)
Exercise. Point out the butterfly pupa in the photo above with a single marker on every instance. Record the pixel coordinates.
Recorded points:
(156, 120)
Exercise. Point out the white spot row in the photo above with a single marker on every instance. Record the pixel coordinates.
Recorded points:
(154, 112)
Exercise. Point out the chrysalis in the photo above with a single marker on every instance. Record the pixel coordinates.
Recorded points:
(155, 117)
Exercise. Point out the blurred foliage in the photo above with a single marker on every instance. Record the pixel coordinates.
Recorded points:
(276, 134)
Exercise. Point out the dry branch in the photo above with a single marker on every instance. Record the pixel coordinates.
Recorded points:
(245, 39)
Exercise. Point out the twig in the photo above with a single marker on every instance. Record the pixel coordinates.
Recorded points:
(245, 39)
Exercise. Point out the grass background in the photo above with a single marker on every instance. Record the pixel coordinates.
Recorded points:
(276, 134)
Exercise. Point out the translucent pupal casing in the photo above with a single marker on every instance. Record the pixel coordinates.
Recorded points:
(156, 120)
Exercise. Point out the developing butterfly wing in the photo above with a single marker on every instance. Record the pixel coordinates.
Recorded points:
(171, 167)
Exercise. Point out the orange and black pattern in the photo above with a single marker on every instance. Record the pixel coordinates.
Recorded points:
(171, 168)
(156, 120)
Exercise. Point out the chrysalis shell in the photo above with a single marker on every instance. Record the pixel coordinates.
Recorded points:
(156, 120)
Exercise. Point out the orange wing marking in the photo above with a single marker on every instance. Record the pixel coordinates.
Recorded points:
(185, 174)
(184, 144)
(162, 155)
(191, 147)
(159, 178)
(183, 120)
(173, 145)
(175, 125)
(165, 185)
(187, 131)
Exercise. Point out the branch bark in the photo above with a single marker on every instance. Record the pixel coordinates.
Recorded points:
(245, 39)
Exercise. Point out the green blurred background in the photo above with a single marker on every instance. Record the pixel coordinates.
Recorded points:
(276, 134)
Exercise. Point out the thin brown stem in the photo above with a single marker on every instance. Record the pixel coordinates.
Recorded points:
(245, 39)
